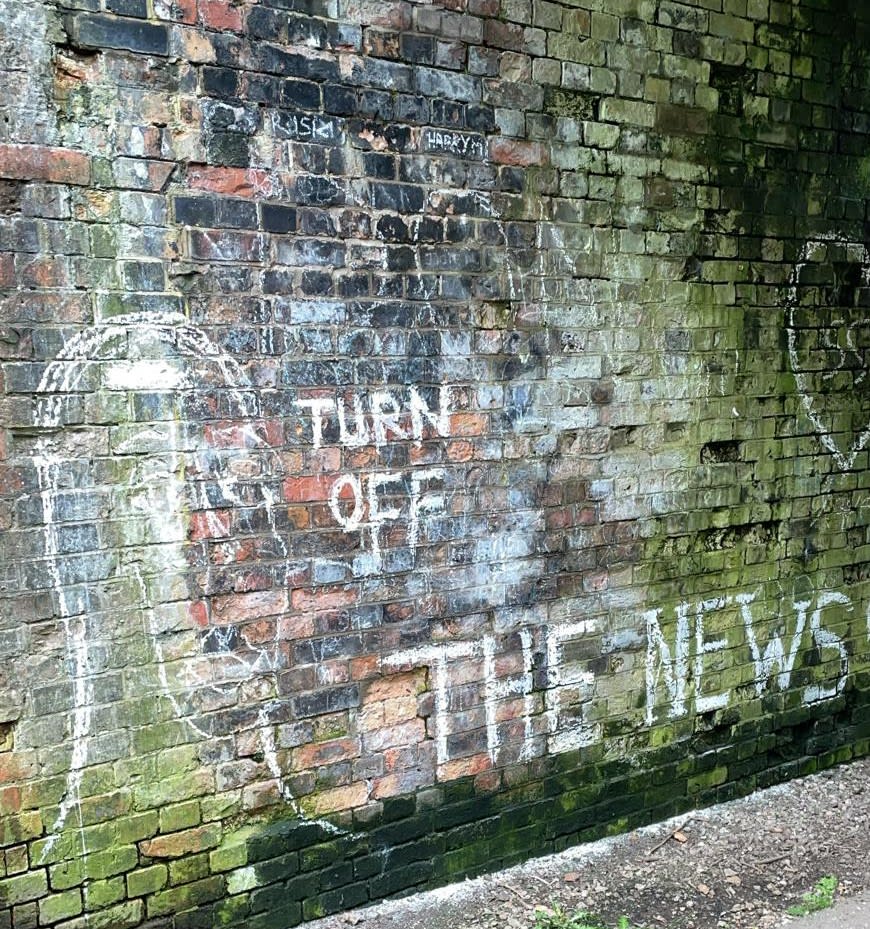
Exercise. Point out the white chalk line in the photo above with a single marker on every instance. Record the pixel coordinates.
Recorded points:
(846, 459)
(62, 377)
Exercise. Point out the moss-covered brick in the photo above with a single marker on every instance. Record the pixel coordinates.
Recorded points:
(23, 887)
(244, 879)
(280, 837)
(137, 826)
(712, 778)
(180, 816)
(232, 911)
(146, 880)
(20, 827)
(277, 869)
(187, 869)
(54, 908)
(186, 896)
(100, 894)
(282, 916)
(179, 787)
(97, 866)
(232, 854)
(123, 916)
(337, 900)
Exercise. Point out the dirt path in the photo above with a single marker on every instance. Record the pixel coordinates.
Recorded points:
(737, 866)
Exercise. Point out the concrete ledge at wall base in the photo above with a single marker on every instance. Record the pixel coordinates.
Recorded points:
(846, 913)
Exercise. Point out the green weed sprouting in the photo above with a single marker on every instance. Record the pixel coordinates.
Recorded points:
(554, 917)
(819, 898)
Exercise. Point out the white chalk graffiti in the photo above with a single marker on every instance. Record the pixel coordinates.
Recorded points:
(361, 502)
(560, 713)
(155, 491)
(669, 663)
(837, 336)
(378, 416)
(568, 692)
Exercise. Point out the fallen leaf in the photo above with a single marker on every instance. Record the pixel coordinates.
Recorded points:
(680, 836)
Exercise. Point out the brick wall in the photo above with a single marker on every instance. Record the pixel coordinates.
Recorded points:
(433, 434)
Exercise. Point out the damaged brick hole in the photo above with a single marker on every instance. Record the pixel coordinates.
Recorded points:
(74, 62)
(721, 452)
(7, 734)
(714, 540)
(10, 196)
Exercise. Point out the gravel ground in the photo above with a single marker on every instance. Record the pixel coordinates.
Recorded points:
(736, 866)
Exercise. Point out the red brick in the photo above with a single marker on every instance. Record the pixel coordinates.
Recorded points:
(487, 782)
(321, 753)
(298, 517)
(295, 627)
(10, 800)
(209, 524)
(236, 551)
(462, 767)
(242, 182)
(512, 152)
(7, 270)
(401, 782)
(339, 798)
(220, 14)
(17, 766)
(234, 608)
(245, 435)
(460, 450)
(358, 458)
(561, 518)
(362, 669)
(198, 613)
(176, 844)
(11, 481)
(465, 424)
(498, 34)
(596, 581)
(330, 598)
(260, 796)
(40, 163)
(396, 686)
(255, 579)
(407, 733)
(181, 11)
(43, 271)
(303, 489)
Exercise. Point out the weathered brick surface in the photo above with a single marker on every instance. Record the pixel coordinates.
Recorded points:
(441, 431)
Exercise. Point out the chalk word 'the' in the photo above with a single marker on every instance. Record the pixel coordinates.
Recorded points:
(368, 502)
(568, 690)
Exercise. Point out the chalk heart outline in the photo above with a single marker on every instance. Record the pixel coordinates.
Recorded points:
(844, 459)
